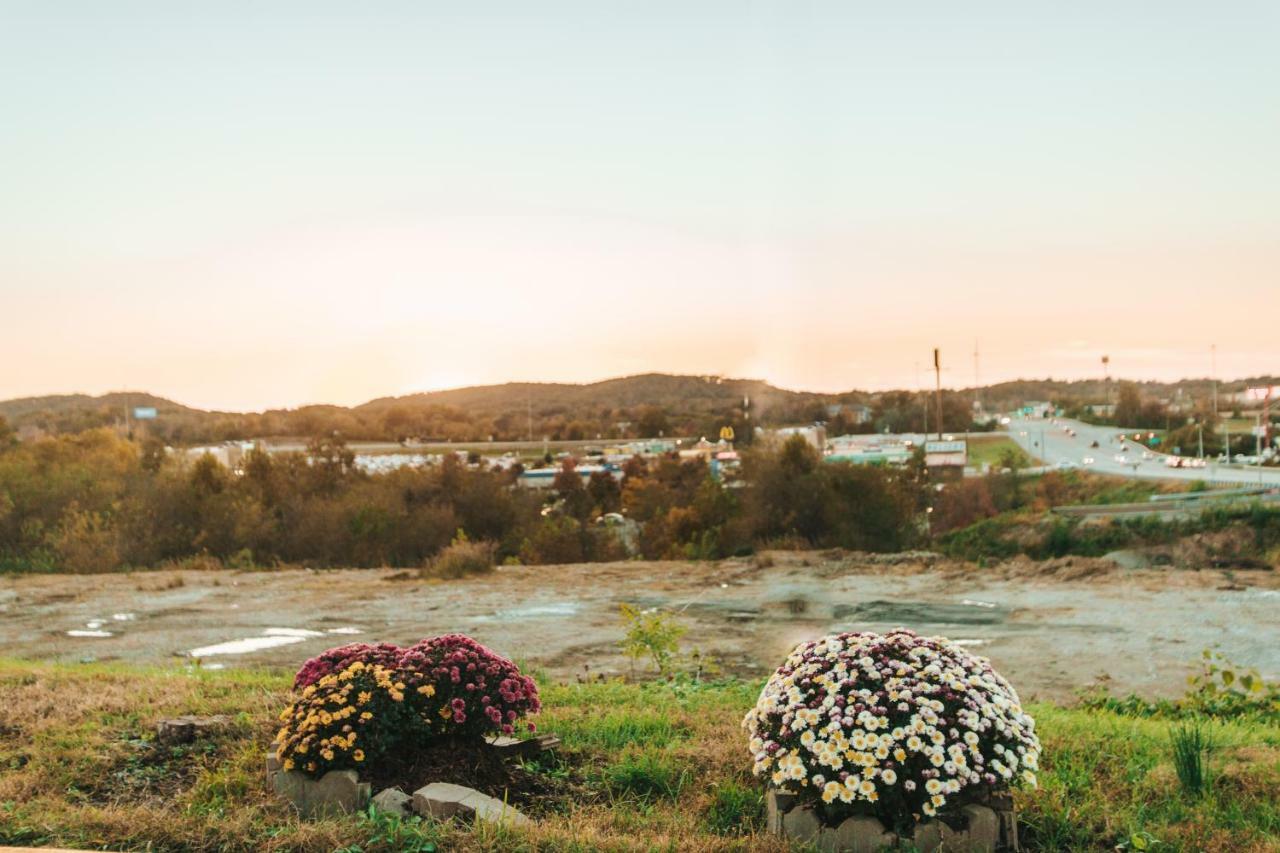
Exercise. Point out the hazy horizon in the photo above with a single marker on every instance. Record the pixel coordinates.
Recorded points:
(243, 208)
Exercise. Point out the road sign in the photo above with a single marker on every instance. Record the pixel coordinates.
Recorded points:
(1259, 430)
(1262, 393)
(144, 413)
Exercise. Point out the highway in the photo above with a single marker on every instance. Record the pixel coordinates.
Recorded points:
(1049, 440)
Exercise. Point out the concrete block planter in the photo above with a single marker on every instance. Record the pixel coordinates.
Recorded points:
(336, 792)
(443, 800)
(980, 828)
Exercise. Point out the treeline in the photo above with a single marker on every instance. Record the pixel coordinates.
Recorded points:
(94, 502)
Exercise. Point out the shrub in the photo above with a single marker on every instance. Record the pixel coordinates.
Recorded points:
(462, 688)
(651, 634)
(448, 686)
(898, 725)
(344, 720)
(463, 557)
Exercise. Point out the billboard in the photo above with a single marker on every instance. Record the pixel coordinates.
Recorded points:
(144, 413)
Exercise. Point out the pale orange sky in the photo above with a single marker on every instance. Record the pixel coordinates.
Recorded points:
(240, 208)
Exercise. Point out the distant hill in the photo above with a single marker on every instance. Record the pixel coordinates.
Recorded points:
(623, 407)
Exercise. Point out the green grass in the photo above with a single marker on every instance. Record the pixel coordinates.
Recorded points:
(664, 767)
(988, 449)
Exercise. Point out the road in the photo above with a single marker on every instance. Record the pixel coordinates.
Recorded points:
(1050, 441)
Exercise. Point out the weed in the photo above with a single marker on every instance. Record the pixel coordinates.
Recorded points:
(735, 809)
(1190, 743)
(651, 634)
(647, 776)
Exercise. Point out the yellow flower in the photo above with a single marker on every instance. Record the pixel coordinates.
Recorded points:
(446, 712)
(288, 764)
(327, 754)
(427, 690)
(358, 755)
(366, 716)
(364, 697)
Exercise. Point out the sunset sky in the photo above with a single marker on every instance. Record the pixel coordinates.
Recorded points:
(252, 204)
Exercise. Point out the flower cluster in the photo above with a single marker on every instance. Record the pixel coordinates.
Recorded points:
(897, 725)
(360, 700)
(343, 719)
(336, 660)
(473, 689)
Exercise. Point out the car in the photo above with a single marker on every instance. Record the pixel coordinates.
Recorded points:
(1088, 460)
(1093, 443)
(1124, 448)
(1121, 458)
(1066, 464)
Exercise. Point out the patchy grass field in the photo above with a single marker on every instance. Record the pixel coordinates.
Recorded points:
(665, 768)
(988, 450)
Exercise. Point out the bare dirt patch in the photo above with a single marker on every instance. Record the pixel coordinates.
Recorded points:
(1052, 626)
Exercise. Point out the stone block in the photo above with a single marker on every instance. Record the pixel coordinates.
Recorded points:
(861, 835)
(393, 801)
(982, 832)
(508, 746)
(801, 824)
(933, 836)
(444, 800)
(336, 792)
(777, 804)
(188, 728)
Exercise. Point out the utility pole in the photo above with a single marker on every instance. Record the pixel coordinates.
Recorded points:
(529, 415)
(937, 375)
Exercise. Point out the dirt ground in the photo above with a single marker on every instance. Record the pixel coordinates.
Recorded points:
(1051, 627)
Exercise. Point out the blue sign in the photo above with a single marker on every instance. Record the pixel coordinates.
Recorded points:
(144, 413)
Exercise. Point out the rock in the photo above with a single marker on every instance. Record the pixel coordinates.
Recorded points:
(983, 832)
(506, 745)
(801, 824)
(777, 804)
(861, 835)
(335, 792)
(393, 801)
(188, 728)
(443, 800)
(933, 836)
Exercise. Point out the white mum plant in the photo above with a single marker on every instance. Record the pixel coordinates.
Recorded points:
(895, 725)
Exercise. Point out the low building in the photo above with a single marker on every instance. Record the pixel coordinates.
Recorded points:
(869, 450)
(815, 435)
(545, 478)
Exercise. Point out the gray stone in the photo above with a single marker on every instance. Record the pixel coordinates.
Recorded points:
(506, 745)
(932, 836)
(336, 792)
(188, 728)
(274, 765)
(801, 824)
(443, 800)
(983, 831)
(394, 801)
(777, 804)
(862, 835)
